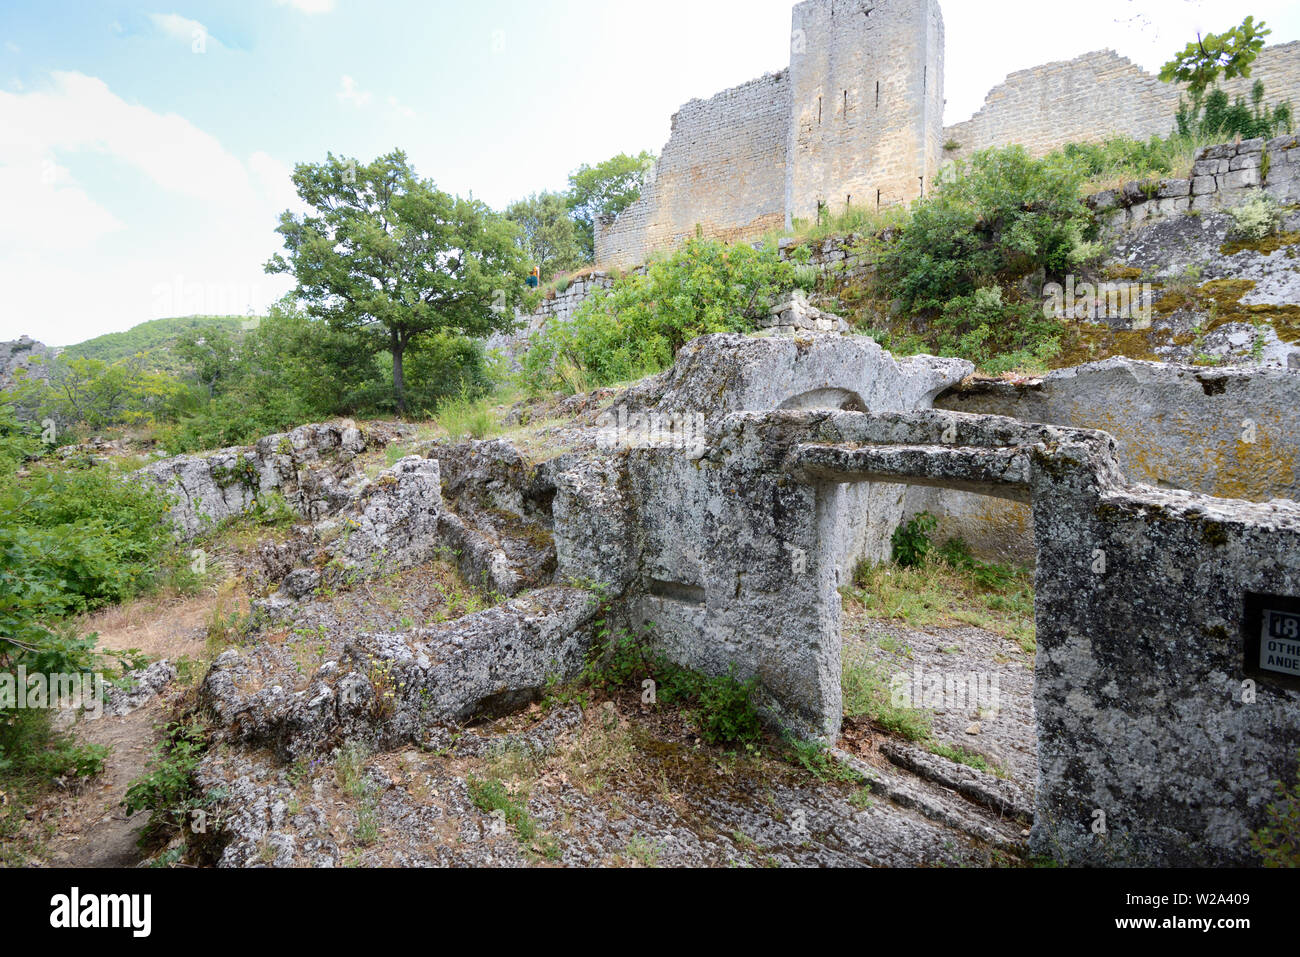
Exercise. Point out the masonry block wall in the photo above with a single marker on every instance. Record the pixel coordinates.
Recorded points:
(866, 81)
(857, 118)
(721, 175)
(1097, 96)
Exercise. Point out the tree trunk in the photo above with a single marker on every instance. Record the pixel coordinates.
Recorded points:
(399, 376)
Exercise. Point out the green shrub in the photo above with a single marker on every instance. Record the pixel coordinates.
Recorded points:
(1258, 218)
(1123, 158)
(1002, 216)
(466, 416)
(725, 712)
(1217, 118)
(491, 795)
(911, 540)
(636, 328)
(997, 336)
(1278, 842)
(168, 788)
(19, 441)
(29, 748)
(721, 708)
(75, 540)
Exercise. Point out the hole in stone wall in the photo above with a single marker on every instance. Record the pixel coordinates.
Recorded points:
(820, 400)
(676, 591)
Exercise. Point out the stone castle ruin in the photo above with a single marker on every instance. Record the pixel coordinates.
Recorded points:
(856, 119)
(719, 509)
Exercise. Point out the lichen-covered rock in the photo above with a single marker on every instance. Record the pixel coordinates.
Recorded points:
(394, 521)
(143, 686)
(390, 688)
(310, 466)
(27, 355)
(720, 374)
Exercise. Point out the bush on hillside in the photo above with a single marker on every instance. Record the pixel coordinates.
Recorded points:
(1002, 216)
(636, 328)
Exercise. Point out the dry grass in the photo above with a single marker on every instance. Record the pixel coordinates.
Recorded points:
(936, 593)
(161, 626)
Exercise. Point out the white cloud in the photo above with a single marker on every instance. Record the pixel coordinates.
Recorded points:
(350, 94)
(188, 31)
(81, 113)
(307, 6)
(46, 209)
(401, 108)
(75, 262)
(13, 47)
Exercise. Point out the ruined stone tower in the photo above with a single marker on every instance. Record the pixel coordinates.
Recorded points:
(857, 118)
(866, 86)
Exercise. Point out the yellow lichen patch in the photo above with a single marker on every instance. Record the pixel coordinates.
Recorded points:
(1114, 272)
(1249, 459)
(1087, 342)
(1221, 300)
(1218, 293)
(1267, 246)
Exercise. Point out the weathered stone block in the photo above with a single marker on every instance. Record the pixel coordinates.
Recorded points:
(1174, 188)
(1239, 179)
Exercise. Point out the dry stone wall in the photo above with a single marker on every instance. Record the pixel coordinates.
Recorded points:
(722, 175)
(857, 118)
(1097, 96)
(558, 308)
(1223, 177)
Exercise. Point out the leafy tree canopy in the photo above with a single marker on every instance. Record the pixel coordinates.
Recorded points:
(388, 258)
(1225, 55)
(606, 189)
(549, 237)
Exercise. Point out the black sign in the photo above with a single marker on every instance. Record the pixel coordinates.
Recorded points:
(1272, 634)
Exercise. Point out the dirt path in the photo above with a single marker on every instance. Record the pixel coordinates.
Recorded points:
(87, 826)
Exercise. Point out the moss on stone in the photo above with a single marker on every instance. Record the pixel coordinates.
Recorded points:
(1266, 246)
(1213, 534)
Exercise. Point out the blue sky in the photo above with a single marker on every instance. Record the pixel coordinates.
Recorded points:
(145, 148)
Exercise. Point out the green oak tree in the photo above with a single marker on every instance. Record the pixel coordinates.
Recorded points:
(1211, 115)
(1225, 55)
(387, 257)
(550, 238)
(605, 189)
